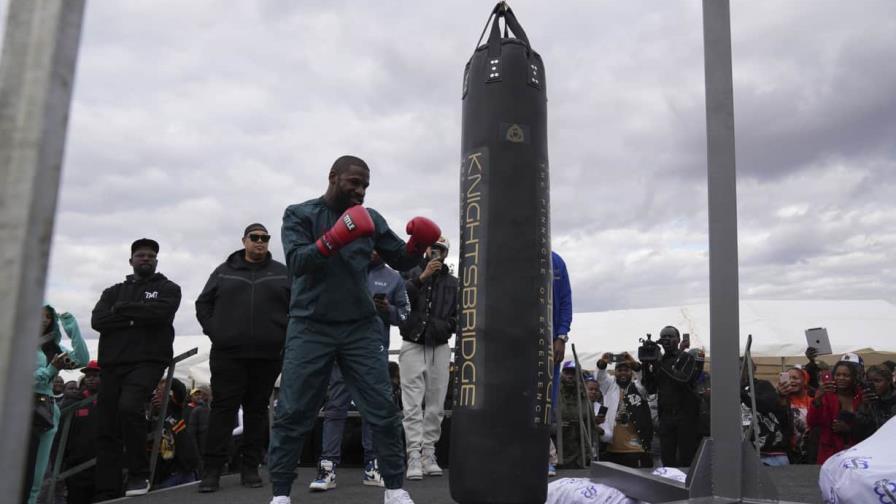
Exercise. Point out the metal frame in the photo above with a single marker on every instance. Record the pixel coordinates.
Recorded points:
(160, 422)
(37, 72)
(66, 418)
(587, 435)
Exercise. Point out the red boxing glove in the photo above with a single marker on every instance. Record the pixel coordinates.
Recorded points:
(424, 233)
(354, 223)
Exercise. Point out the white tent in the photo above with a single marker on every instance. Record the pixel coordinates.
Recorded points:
(778, 327)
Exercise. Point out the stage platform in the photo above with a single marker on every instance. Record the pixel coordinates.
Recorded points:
(795, 484)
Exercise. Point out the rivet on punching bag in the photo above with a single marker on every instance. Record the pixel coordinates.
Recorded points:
(500, 422)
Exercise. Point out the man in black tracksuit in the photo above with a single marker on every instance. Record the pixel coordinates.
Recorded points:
(673, 379)
(135, 321)
(243, 310)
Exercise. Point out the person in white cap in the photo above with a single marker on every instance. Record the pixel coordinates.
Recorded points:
(424, 358)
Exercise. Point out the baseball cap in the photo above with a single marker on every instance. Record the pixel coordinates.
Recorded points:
(852, 358)
(143, 243)
(93, 365)
(569, 365)
(442, 242)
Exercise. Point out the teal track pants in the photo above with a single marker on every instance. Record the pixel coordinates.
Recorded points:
(43, 457)
(311, 348)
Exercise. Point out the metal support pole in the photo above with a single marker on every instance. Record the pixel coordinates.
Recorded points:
(37, 71)
(724, 331)
(585, 426)
(65, 416)
(163, 411)
(558, 421)
(579, 386)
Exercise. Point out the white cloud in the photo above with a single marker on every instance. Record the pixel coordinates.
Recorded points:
(190, 121)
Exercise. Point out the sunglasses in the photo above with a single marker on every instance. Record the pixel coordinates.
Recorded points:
(255, 237)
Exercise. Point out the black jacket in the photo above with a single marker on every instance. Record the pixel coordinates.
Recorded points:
(433, 317)
(673, 379)
(135, 320)
(243, 307)
(774, 419)
(872, 414)
(81, 444)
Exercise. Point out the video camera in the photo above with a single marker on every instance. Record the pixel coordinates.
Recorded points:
(649, 351)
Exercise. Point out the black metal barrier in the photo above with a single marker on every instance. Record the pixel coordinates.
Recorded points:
(66, 422)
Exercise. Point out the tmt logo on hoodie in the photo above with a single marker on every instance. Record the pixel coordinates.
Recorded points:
(151, 295)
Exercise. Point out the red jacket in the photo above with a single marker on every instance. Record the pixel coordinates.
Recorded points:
(823, 417)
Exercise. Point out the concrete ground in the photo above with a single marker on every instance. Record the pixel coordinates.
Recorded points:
(795, 483)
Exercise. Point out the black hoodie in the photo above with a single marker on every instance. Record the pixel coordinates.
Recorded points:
(135, 320)
(243, 307)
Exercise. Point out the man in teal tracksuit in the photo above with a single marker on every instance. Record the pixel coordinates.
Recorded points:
(328, 242)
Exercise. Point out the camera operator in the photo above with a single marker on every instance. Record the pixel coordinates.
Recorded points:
(672, 377)
(628, 426)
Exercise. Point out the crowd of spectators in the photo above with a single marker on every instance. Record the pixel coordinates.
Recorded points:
(666, 398)
(144, 431)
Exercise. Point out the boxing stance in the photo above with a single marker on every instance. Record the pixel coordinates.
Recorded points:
(332, 317)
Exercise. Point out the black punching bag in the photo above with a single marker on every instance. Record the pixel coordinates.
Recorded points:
(499, 426)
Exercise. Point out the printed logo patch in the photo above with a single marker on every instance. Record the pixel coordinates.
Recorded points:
(857, 463)
(886, 491)
(514, 133)
(151, 295)
(347, 220)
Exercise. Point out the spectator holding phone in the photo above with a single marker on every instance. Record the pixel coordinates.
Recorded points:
(392, 306)
(628, 426)
(51, 357)
(879, 401)
(813, 368)
(833, 409)
(772, 423)
(793, 388)
(424, 358)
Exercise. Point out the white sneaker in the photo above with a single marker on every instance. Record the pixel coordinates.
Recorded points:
(430, 465)
(398, 496)
(372, 476)
(326, 477)
(281, 499)
(136, 486)
(415, 469)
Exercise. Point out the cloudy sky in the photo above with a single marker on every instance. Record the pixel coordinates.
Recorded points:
(192, 119)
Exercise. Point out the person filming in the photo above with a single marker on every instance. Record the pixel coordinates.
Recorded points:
(672, 377)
